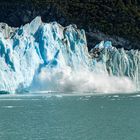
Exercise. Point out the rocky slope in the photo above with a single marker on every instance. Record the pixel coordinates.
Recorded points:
(112, 17)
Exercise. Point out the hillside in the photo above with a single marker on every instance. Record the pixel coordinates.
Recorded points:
(112, 17)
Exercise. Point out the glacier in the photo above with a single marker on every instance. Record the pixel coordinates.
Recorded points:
(49, 57)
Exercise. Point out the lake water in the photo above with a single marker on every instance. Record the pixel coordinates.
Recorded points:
(46, 117)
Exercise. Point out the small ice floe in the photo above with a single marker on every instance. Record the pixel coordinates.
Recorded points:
(136, 95)
(116, 96)
(7, 106)
(59, 95)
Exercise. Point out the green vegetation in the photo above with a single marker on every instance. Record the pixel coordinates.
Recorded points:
(113, 17)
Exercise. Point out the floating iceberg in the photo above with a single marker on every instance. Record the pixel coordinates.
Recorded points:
(46, 56)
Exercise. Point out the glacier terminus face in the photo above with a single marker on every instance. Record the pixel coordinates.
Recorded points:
(48, 57)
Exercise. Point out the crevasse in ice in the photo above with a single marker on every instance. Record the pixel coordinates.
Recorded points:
(46, 56)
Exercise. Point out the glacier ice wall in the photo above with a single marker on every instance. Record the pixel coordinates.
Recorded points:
(46, 56)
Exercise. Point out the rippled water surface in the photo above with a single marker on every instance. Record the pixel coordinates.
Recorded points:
(47, 117)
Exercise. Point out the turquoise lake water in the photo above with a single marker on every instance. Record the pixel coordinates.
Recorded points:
(44, 117)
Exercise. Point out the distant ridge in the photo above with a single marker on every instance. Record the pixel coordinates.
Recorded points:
(112, 17)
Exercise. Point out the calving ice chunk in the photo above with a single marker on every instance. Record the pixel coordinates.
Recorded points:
(47, 56)
(35, 46)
